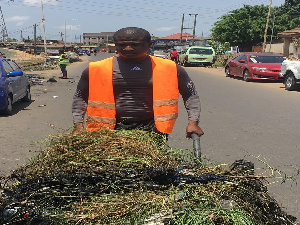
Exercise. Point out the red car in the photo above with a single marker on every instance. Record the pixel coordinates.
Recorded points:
(255, 66)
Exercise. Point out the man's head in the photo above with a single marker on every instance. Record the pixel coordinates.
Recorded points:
(132, 43)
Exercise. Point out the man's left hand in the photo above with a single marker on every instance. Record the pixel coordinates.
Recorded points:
(193, 127)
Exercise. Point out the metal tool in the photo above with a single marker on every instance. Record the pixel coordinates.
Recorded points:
(196, 147)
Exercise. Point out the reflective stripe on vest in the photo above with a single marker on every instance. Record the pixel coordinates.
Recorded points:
(101, 105)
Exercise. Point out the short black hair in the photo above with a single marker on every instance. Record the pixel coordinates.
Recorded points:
(132, 33)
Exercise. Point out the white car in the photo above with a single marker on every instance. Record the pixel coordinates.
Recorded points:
(290, 71)
(161, 54)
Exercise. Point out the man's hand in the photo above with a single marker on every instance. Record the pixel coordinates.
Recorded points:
(193, 127)
(78, 127)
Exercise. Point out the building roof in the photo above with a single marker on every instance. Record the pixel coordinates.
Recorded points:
(102, 34)
(290, 33)
(177, 36)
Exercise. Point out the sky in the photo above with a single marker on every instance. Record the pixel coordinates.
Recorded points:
(72, 18)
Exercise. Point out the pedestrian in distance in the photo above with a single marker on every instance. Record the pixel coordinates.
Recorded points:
(174, 55)
(133, 90)
(63, 61)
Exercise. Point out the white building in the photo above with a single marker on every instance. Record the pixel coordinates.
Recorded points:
(98, 38)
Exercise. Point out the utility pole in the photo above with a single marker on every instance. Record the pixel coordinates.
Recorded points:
(43, 20)
(61, 35)
(34, 38)
(181, 28)
(65, 33)
(194, 28)
(267, 25)
(272, 30)
(3, 27)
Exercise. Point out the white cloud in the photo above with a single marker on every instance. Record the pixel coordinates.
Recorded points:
(20, 20)
(69, 27)
(38, 2)
(164, 29)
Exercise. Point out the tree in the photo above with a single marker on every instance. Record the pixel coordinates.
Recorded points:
(242, 27)
(245, 27)
(288, 15)
(220, 48)
(291, 3)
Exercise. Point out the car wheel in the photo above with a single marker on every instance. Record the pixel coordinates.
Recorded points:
(185, 63)
(246, 76)
(8, 109)
(227, 72)
(290, 82)
(27, 97)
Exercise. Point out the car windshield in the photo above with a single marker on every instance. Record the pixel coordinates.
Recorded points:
(201, 51)
(266, 59)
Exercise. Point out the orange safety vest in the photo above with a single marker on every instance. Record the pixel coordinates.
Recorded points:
(101, 107)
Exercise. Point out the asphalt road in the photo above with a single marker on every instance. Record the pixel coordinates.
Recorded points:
(241, 120)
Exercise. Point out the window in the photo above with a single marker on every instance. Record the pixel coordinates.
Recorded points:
(243, 57)
(6, 66)
(14, 66)
(266, 59)
(201, 51)
(238, 58)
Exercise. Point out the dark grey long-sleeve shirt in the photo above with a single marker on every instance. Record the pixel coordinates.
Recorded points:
(132, 82)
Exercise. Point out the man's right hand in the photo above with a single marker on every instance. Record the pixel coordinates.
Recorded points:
(78, 127)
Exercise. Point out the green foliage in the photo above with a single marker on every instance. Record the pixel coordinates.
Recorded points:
(220, 48)
(245, 27)
(242, 27)
(221, 60)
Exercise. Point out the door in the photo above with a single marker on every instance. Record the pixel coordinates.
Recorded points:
(233, 64)
(240, 65)
(13, 82)
(22, 80)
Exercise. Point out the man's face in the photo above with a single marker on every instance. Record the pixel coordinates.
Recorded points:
(132, 49)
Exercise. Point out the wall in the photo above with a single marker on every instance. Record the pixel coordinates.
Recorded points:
(278, 48)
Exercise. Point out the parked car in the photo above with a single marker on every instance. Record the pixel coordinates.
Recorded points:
(160, 53)
(255, 66)
(52, 59)
(84, 52)
(73, 56)
(197, 55)
(290, 72)
(14, 85)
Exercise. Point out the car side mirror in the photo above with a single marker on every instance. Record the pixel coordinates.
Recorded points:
(15, 73)
(242, 61)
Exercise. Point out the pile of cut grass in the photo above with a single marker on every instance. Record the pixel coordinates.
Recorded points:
(29, 65)
(128, 177)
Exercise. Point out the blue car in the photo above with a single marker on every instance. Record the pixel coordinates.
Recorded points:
(14, 85)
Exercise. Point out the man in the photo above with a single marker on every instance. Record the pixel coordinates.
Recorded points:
(174, 55)
(63, 61)
(134, 90)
